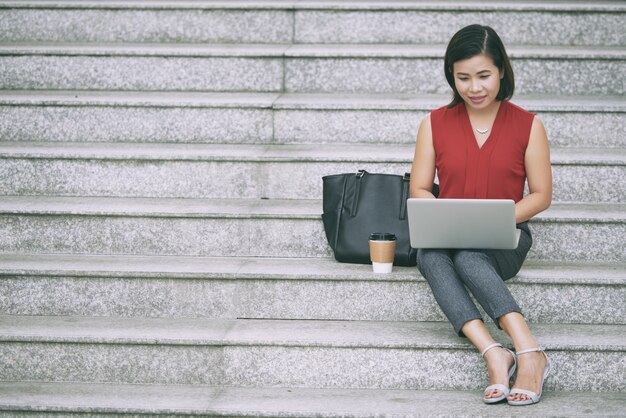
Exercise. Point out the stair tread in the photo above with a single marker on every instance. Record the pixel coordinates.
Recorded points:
(336, 152)
(455, 5)
(257, 268)
(296, 101)
(287, 333)
(249, 208)
(294, 51)
(287, 402)
(138, 98)
(151, 4)
(145, 49)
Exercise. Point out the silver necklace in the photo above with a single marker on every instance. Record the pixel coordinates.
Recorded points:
(482, 131)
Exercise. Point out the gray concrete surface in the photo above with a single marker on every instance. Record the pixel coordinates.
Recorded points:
(282, 289)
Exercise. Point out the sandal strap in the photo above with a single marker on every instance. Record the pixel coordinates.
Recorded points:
(530, 350)
(489, 347)
(494, 345)
(539, 349)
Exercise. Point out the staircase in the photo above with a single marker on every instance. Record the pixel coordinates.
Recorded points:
(161, 246)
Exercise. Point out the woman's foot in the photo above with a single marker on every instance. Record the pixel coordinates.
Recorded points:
(531, 369)
(500, 362)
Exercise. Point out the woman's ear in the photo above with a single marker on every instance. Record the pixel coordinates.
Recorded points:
(501, 73)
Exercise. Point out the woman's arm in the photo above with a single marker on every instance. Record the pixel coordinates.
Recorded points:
(423, 169)
(538, 173)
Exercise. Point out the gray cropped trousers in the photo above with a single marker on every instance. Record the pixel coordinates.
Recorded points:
(451, 273)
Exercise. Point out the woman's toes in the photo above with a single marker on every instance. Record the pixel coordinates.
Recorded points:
(494, 394)
(518, 397)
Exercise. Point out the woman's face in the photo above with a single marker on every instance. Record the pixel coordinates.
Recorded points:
(477, 80)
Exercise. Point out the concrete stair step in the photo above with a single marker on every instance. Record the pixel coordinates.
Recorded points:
(282, 288)
(148, 21)
(180, 400)
(417, 70)
(574, 22)
(293, 353)
(411, 69)
(84, 116)
(143, 67)
(566, 233)
(423, 22)
(255, 171)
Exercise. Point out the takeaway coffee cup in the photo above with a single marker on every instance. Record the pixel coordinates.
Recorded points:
(382, 250)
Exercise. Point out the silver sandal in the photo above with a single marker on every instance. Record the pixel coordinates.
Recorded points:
(499, 386)
(534, 397)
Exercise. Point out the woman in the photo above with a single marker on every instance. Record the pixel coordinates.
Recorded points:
(483, 146)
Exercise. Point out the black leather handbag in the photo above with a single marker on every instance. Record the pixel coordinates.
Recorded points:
(357, 204)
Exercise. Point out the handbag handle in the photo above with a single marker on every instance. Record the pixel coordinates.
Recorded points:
(357, 190)
(406, 182)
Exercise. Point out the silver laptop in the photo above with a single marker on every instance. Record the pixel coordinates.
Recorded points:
(462, 223)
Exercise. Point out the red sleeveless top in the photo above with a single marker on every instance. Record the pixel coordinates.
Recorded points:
(493, 171)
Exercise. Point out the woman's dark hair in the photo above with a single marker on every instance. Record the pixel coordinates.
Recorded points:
(475, 40)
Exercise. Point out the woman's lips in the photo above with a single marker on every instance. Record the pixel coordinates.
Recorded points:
(478, 99)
